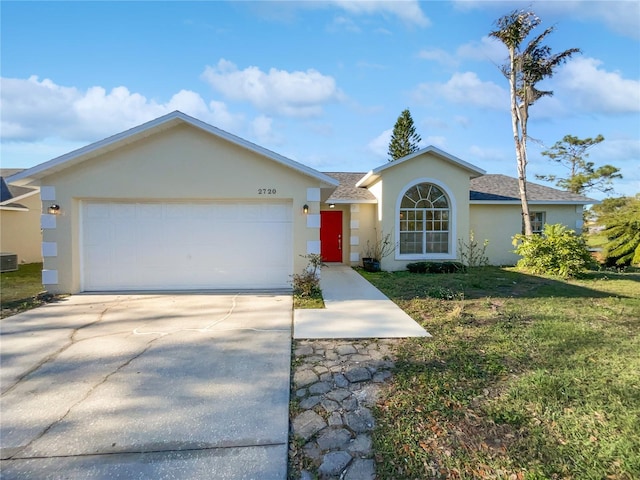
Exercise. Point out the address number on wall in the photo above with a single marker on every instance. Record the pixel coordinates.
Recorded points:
(266, 191)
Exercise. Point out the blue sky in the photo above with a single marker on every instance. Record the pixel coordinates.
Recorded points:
(320, 82)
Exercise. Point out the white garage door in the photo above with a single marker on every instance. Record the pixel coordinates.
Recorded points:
(169, 246)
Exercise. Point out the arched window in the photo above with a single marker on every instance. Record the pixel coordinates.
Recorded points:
(424, 220)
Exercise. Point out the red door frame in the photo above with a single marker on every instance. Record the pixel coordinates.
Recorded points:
(331, 240)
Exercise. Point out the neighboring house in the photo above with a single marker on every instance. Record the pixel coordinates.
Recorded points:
(20, 210)
(178, 204)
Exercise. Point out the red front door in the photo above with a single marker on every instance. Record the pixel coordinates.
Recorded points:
(331, 236)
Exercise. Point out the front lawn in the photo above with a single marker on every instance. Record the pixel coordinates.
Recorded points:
(22, 289)
(525, 377)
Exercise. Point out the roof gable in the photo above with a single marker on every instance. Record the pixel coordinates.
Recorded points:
(152, 127)
(374, 174)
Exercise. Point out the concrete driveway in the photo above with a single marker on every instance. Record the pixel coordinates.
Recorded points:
(147, 386)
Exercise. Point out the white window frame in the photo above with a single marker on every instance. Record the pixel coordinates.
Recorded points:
(452, 253)
(541, 222)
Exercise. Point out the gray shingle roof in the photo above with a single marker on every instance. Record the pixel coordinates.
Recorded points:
(8, 192)
(490, 187)
(347, 190)
(495, 187)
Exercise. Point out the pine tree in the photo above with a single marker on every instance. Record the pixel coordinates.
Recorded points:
(571, 153)
(404, 139)
(622, 228)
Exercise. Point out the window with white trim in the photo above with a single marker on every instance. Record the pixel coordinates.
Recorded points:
(424, 220)
(538, 219)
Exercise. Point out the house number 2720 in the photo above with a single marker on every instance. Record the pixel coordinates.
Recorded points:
(266, 191)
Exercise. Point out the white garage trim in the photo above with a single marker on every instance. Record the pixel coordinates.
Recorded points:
(129, 246)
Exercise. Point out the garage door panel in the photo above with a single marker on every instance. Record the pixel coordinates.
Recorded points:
(186, 246)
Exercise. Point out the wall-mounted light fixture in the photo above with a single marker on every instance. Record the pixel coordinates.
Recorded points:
(305, 209)
(54, 209)
(332, 205)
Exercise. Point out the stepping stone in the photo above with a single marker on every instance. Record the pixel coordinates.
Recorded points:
(345, 349)
(310, 402)
(361, 469)
(335, 419)
(304, 350)
(307, 424)
(330, 406)
(302, 378)
(360, 446)
(320, 388)
(334, 463)
(360, 420)
(358, 374)
(338, 395)
(333, 439)
(340, 380)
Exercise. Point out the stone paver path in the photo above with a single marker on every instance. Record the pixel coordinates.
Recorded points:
(335, 382)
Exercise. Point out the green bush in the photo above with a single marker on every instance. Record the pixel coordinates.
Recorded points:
(307, 283)
(435, 267)
(557, 251)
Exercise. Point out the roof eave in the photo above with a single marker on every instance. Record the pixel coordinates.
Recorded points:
(534, 202)
(367, 180)
(475, 171)
(59, 163)
(13, 208)
(347, 202)
(21, 197)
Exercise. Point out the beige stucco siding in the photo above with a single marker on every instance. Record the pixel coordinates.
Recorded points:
(394, 182)
(180, 164)
(20, 231)
(366, 213)
(499, 223)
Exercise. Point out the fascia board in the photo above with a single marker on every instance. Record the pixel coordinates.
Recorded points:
(533, 202)
(37, 172)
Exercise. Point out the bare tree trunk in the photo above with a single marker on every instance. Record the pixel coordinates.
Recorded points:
(519, 125)
(522, 187)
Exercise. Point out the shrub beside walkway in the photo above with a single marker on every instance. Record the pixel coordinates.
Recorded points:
(335, 382)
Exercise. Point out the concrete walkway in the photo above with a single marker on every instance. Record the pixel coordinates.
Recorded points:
(354, 309)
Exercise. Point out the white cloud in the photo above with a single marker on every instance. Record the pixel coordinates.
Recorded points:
(341, 23)
(295, 94)
(488, 48)
(34, 109)
(594, 89)
(408, 11)
(379, 146)
(465, 89)
(438, 55)
(262, 130)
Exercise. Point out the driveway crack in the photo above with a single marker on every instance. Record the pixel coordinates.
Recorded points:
(84, 397)
(54, 355)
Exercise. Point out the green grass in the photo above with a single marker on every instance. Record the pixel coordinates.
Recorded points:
(596, 240)
(525, 377)
(312, 301)
(22, 289)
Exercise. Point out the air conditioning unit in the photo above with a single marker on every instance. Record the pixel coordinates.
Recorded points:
(8, 262)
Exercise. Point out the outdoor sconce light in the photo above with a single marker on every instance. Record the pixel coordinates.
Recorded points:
(332, 205)
(305, 209)
(54, 209)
